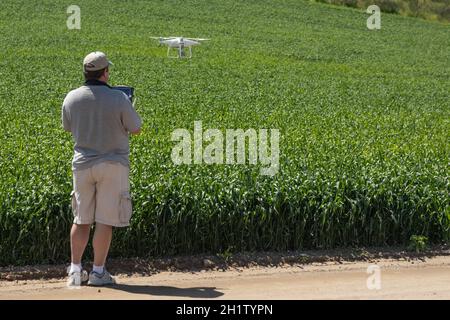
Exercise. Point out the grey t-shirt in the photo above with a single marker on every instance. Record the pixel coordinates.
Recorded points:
(100, 119)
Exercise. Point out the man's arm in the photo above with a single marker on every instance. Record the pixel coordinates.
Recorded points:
(131, 120)
(65, 119)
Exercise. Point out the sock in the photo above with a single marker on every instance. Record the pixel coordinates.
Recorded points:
(98, 269)
(75, 267)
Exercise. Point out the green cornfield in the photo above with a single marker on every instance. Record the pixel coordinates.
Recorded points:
(363, 117)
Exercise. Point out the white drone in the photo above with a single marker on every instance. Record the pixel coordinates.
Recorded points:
(179, 43)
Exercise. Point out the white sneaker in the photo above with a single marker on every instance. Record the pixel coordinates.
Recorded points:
(77, 278)
(96, 279)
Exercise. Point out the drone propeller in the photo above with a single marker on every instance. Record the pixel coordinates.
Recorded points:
(160, 40)
(163, 37)
(198, 39)
(167, 38)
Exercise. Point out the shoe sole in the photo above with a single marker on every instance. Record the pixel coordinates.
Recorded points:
(93, 284)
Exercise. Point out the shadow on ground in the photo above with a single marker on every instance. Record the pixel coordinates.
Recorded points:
(198, 292)
(197, 263)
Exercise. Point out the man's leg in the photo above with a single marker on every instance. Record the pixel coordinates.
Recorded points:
(112, 180)
(101, 243)
(112, 192)
(83, 206)
(79, 237)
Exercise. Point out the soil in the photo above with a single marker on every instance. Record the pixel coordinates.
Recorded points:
(342, 274)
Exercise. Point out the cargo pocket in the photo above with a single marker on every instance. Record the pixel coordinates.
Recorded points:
(125, 207)
(74, 203)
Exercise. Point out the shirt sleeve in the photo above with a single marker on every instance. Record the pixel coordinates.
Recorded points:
(130, 119)
(65, 119)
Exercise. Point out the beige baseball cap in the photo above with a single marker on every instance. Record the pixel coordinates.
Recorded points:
(96, 61)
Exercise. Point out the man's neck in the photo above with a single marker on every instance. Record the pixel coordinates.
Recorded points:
(96, 82)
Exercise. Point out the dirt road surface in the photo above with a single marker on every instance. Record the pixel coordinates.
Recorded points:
(414, 279)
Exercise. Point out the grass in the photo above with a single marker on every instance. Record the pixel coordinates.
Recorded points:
(364, 122)
(434, 10)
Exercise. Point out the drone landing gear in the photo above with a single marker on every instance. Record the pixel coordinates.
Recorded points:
(181, 53)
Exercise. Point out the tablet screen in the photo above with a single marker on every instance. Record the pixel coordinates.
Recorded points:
(129, 91)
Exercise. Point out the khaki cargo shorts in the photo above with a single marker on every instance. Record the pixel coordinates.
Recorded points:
(101, 193)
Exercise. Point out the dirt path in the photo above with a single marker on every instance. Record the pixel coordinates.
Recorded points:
(417, 279)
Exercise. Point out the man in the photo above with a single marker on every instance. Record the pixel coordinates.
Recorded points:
(100, 119)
